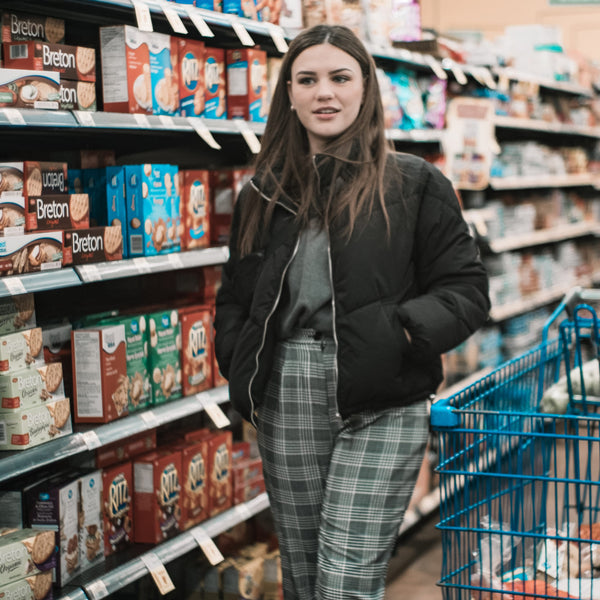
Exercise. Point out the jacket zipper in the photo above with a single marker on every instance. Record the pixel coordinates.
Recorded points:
(333, 328)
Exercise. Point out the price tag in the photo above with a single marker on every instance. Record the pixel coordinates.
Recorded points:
(14, 116)
(208, 546)
(158, 572)
(278, 37)
(488, 78)
(142, 265)
(174, 19)
(458, 73)
(150, 419)
(142, 120)
(167, 121)
(91, 440)
(15, 285)
(199, 23)
(90, 273)
(435, 66)
(242, 34)
(204, 132)
(96, 590)
(175, 260)
(85, 118)
(248, 134)
(214, 411)
(243, 512)
(142, 14)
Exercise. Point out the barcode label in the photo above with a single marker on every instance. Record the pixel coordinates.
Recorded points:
(3, 439)
(18, 51)
(136, 244)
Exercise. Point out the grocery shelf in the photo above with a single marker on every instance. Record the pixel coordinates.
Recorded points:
(90, 438)
(565, 87)
(535, 125)
(38, 282)
(415, 135)
(541, 181)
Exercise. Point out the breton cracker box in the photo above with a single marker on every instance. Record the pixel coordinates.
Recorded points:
(72, 62)
(247, 84)
(17, 27)
(91, 532)
(31, 252)
(164, 364)
(126, 449)
(77, 95)
(196, 354)
(33, 178)
(191, 75)
(56, 338)
(12, 215)
(195, 192)
(215, 84)
(99, 374)
(26, 552)
(20, 88)
(92, 245)
(58, 211)
(164, 72)
(53, 505)
(36, 587)
(126, 79)
(17, 313)
(23, 429)
(20, 350)
(31, 387)
(117, 489)
(157, 496)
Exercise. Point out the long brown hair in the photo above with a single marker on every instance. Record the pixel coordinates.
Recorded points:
(284, 163)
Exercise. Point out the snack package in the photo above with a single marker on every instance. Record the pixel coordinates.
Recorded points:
(26, 552)
(77, 95)
(31, 387)
(20, 350)
(17, 27)
(91, 532)
(247, 84)
(31, 252)
(117, 488)
(195, 192)
(92, 245)
(164, 72)
(20, 88)
(33, 178)
(191, 75)
(215, 84)
(57, 212)
(17, 313)
(196, 325)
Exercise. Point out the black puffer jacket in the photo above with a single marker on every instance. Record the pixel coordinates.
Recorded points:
(428, 279)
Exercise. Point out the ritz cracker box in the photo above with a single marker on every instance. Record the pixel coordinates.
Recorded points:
(196, 324)
(117, 507)
(247, 84)
(191, 75)
(195, 215)
(215, 84)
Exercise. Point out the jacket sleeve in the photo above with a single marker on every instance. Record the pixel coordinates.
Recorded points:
(453, 299)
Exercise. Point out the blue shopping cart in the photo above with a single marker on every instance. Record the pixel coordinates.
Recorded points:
(519, 469)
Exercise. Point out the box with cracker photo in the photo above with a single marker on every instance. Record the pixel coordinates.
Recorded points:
(195, 194)
(21, 350)
(215, 84)
(92, 245)
(33, 587)
(122, 450)
(56, 340)
(17, 27)
(12, 215)
(23, 429)
(247, 84)
(77, 95)
(33, 178)
(164, 74)
(196, 352)
(17, 313)
(21, 88)
(117, 507)
(91, 522)
(25, 553)
(30, 387)
(31, 252)
(57, 212)
(100, 383)
(191, 75)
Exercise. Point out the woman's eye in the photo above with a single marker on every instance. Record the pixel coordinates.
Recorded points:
(341, 78)
(306, 80)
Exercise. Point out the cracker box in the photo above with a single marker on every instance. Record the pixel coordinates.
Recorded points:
(164, 363)
(91, 534)
(247, 84)
(215, 84)
(34, 587)
(219, 471)
(92, 245)
(76, 63)
(17, 313)
(26, 552)
(195, 192)
(31, 387)
(53, 504)
(58, 211)
(117, 489)
(126, 449)
(126, 79)
(12, 215)
(23, 429)
(17, 27)
(20, 350)
(157, 496)
(164, 72)
(191, 76)
(20, 88)
(31, 252)
(77, 95)
(225, 186)
(33, 178)
(100, 381)
(56, 339)
(196, 324)
(194, 483)
(175, 231)
(248, 490)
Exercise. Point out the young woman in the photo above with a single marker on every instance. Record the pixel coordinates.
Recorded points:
(351, 271)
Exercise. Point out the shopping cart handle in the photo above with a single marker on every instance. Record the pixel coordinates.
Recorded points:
(572, 298)
(443, 415)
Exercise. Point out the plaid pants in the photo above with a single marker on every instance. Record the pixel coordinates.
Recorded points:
(338, 488)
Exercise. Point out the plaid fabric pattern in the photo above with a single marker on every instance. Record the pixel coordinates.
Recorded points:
(338, 489)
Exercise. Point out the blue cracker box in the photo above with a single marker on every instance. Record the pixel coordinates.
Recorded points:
(190, 59)
(163, 75)
(176, 231)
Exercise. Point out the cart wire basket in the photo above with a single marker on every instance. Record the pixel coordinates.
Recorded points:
(519, 469)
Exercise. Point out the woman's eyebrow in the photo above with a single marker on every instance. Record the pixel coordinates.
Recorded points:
(306, 72)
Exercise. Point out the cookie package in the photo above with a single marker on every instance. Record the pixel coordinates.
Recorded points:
(22, 88)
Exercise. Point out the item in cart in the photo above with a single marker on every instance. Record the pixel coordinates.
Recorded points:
(163, 74)
(34, 587)
(23, 429)
(75, 63)
(77, 95)
(33, 178)
(56, 212)
(92, 245)
(247, 84)
(215, 94)
(17, 27)
(29, 89)
(25, 553)
(191, 76)
(17, 313)
(117, 486)
(195, 213)
(20, 350)
(12, 215)
(100, 374)
(157, 496)
(196, 324)
(91, 534)
(31, 252)
(30, 387)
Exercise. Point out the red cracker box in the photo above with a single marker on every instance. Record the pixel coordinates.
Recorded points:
(196, 324)
(246, 470)
(99, 374)
(17, 27)
(240, 451)
(247, 84)
(117, 486)
(57, 211)
(157, 496)
(92, 245)
(72, 62)
(215, 94)
(191, 76)
(141, 443)
(248, 490)
(195, 192)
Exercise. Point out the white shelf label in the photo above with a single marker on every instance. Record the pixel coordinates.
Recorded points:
(174, 19)
(249, 135)
(90, 273)
(85, 118)
(175, 260)
(142, 265)
(458, 73)
(208, 546)
(436, 67)
(142, 120)
(242, 34)
(167, 121)
(158, 572)
(96, 590)
(14, 116)
(203, 131)
(15, 285)
(214, 411)
(142, 14)
(278, 37)
(199, 23)
(243, 512)
(91, 440)
(150, 419)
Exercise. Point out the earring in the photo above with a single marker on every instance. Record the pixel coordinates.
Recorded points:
(292, 107)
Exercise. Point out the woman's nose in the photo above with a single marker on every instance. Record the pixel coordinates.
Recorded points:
(324, 90)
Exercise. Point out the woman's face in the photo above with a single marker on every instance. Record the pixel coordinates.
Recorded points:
(326, 91)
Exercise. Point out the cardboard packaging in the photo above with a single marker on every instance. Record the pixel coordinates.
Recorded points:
(195, 194)
(25, 553)
(100, 374)
(194, 484)
(56, 339)
(92, 245)
(12, 215)
(126, 449)
(20, 350)
(77, 95)
(247, 84)
(34, 587)
(33, 178)
(57, 212)
(91, 533)
(164, 73)
(157, 496)
(17, 27)
(215, 94)
(20, 88)
(117, 487)
(17, 313)
(196, 355)
(31, 387)
(31, 252)
(191, 76)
